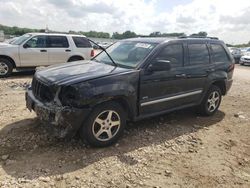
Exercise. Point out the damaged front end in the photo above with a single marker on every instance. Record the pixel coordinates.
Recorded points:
(45, 100)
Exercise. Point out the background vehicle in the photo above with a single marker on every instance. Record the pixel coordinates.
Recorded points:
(1, 36)
(245, 50)
(133, 79)
(236, 53)
(245, 59)
(43, 49)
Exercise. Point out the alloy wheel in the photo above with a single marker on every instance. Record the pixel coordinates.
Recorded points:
(106, 125)
(213, 101)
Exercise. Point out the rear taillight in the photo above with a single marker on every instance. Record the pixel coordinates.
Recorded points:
(92, 53)
(231, 67)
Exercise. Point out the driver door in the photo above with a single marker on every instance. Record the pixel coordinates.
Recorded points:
(165, 89)
(34, 52)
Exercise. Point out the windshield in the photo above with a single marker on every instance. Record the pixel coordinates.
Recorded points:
(126, 53)
(21, 39)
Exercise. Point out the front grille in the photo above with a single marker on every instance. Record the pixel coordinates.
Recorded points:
(41, 91)
(247, 59)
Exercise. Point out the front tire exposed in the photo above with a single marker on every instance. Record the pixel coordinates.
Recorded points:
(105, 125)
(6, 67)
(211, 101)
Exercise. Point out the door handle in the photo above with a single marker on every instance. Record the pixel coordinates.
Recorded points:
(67, 50)
(180, 75)
(43, 50)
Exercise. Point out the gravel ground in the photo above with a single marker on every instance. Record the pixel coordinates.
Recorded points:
(179, 149)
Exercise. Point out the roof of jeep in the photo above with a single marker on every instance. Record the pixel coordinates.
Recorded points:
(167, 39)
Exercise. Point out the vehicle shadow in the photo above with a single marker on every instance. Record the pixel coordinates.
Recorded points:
(33, 153)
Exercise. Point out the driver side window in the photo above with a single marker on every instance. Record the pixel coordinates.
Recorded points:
(172, 53)
(37, 42)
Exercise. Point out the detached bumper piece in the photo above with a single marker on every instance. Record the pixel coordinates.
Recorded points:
(65, 121)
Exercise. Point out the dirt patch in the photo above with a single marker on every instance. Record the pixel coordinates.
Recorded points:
(179, 149)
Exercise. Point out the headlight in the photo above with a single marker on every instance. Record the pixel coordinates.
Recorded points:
(69, 96)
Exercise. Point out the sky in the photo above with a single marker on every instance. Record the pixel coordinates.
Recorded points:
(228, 20)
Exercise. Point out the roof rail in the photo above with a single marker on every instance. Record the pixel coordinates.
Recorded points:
(202, 37)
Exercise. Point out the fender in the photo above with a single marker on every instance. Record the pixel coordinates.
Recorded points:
(122, 88)
(217, 76)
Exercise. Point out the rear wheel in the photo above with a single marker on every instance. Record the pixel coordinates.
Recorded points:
(6, 67)
(105, 125)
(211, 101)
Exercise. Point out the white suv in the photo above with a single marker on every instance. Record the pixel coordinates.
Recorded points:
(43, 49)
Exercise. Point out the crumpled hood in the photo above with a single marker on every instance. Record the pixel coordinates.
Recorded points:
(78, 71)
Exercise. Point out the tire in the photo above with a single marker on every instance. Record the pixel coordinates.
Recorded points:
(97, 130)
(75, 59)
(6, 67)
(211, 101)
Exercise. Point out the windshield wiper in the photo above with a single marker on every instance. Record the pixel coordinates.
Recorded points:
(103, 49)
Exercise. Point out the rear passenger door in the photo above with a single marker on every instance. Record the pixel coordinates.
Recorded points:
(198, 65)
(58, 49)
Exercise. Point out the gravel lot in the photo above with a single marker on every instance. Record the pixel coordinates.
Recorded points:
(179, 149)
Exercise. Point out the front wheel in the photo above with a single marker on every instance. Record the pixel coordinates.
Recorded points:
(211, 101)
(6, 67)
(105, 125)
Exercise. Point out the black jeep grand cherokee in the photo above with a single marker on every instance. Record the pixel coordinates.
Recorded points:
(135, 79)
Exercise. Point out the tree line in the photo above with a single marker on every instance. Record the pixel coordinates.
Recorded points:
(17, 31)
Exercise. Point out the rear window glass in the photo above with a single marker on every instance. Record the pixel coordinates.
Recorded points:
(198, 54)
(58, 42)
(218, 53)
(81, 42)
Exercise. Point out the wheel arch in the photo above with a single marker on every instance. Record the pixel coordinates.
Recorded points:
(10, 59)
(221, 84)
(78, 57)
(123, 102)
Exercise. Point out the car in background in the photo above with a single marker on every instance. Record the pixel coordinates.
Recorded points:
(42, 49)
(245, 59)
(245, 50)
(236, 53)
(1, 36)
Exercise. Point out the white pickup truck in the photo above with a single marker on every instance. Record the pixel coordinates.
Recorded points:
(43, 49)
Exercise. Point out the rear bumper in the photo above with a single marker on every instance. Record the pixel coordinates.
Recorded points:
(64, 121)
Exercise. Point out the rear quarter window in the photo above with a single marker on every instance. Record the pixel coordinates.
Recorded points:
(81, 42)
(198, 53)
(219, 54)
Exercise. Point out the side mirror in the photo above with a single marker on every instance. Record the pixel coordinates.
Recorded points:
(26, 45)
(159, 65)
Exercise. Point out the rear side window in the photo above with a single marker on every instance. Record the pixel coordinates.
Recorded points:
(58, 42)
(198, 54)
(81, 42)
(219, 54)
(172, 53)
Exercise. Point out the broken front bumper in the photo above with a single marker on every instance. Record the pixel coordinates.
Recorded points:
(65, 121)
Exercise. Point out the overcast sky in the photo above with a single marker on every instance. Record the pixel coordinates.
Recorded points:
(229, 20)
